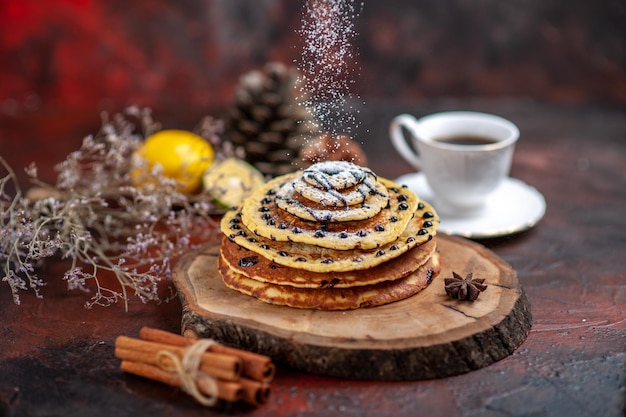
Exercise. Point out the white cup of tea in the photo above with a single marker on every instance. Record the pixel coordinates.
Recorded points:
(464, 155)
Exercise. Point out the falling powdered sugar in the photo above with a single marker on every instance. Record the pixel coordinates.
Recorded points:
(328, 63)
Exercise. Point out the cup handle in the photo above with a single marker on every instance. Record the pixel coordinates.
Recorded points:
(399, 140)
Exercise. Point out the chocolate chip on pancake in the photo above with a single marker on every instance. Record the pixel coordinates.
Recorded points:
(252, 265)
(336, 175)
(361, 203)
(332, 237)
(349, 185)
(333, 298)
(265, 218)
(421, 228)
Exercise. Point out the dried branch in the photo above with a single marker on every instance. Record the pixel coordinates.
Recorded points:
(95, 218)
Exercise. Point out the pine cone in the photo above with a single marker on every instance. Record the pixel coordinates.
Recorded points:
(267, 119)
(325, 147)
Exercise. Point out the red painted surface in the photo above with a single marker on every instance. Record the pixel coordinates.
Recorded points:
(63, 62)
(103, 55)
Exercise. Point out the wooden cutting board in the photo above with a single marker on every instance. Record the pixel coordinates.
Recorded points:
(429, 335)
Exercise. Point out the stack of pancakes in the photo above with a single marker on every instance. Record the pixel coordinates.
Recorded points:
(331, 237)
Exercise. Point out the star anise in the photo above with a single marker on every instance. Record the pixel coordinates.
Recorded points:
(464, 288)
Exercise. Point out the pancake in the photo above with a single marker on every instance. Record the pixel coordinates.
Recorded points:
(333, 298)
(252, 265)
(337, 184)
(264, 218)
(421, 228)
(336, 175)
(332, 237)
(364, 202)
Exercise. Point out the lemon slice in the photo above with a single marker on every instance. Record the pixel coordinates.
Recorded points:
(182, 155)
(231, 180)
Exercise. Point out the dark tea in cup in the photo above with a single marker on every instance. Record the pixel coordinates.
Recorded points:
(464, 155)
(466, 140)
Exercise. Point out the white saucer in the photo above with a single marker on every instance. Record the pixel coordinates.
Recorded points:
(512, 208)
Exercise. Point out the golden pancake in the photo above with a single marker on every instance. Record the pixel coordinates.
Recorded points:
(421, 228)
(372, 199)
(264, 218)
(254, 266)
(336, 175)
(348, 186)
(333, 298)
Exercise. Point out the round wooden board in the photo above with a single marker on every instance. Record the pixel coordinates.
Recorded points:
(429, 335)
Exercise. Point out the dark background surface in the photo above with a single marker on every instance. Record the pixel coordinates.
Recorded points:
(63, 62)
(556, 68)
(94, 55)
(56, 357)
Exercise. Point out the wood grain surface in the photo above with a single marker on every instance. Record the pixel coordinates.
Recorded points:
(429, 335)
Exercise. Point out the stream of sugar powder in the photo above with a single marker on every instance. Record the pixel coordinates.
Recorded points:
(328, 64)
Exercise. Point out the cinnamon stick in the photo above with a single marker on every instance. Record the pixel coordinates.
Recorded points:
(226, 367)
(255, 366)
(153, 359)
(226, 390)
(254, 392)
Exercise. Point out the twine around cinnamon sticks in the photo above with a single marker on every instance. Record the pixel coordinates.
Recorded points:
(203, 368)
